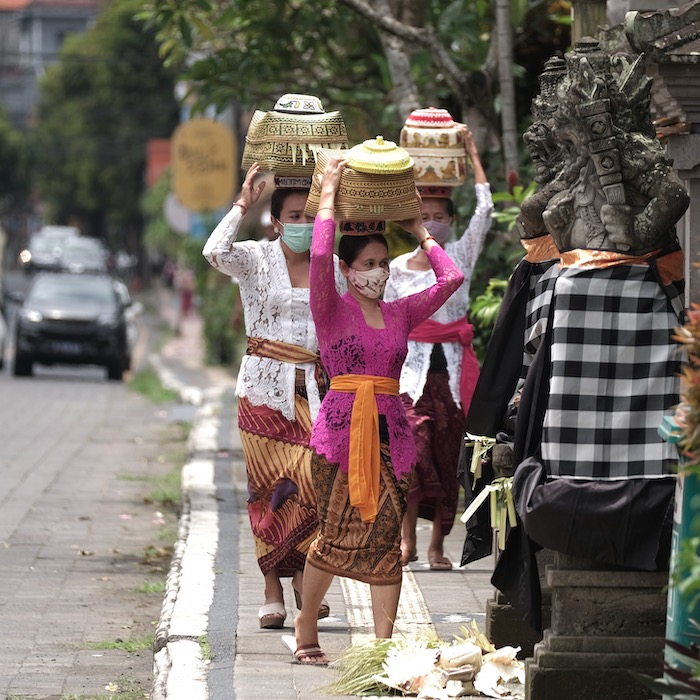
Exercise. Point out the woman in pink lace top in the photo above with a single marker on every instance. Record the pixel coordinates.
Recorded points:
(363, 343)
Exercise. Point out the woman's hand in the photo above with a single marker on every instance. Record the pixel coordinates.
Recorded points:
(331, 175)
(469, 145)
(249, 192)
(415, 226)
(328, 182)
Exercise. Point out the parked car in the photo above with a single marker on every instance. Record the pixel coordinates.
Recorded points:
(44, 249)
(132, 310)
(71, 319)
(41, 254)
(83, 255)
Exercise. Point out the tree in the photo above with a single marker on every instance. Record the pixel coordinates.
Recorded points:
(373, 60)
(99, 105)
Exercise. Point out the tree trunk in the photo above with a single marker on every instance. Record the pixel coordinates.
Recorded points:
(404, 92)
(504, 34)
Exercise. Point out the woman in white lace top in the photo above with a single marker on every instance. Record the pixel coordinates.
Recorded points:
(280, 384)
(440, 370)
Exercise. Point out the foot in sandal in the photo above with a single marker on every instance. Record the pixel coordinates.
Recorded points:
(324, 609)
(272, 616)
(305, 654)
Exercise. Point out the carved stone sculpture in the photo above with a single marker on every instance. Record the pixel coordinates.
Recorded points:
(608, 184)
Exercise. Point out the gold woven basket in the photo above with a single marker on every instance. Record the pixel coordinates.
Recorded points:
(286, 143)
(366, 196)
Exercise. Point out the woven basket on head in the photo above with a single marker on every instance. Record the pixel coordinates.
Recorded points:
(366, 196)
(286, 143)
(437, 147)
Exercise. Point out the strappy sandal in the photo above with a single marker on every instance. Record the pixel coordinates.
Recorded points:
(305, 654)
(324, 609)
(272, 616)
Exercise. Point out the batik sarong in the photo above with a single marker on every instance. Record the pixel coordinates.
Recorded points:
(281, 501)
(348, 546)
(437, 424)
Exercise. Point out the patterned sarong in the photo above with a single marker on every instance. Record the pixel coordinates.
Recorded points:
(348, 546)
(437, 425)
(281, 501)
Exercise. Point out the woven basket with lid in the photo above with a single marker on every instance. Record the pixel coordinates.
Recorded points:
(436, 145)
(285, 140)
(381, 195)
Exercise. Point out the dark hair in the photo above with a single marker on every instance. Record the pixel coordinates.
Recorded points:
(449, 204)
(279, 197)
(350, 247)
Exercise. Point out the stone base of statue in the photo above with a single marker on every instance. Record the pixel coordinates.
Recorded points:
(604, 624)
(504, 627)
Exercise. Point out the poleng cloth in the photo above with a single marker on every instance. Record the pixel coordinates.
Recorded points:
(363, 460)
(459, 331)
(288, 352)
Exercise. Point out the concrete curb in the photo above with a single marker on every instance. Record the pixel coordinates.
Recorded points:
(179, 669)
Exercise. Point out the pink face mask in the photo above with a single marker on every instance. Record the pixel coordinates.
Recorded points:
(438, 230)
(371, 283)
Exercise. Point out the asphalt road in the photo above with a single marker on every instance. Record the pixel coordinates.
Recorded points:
(83, 550)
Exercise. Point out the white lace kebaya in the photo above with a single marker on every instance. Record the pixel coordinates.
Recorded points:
(404, 281)
(273, 309)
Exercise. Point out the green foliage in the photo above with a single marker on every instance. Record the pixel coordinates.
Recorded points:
(99, 105)
(147, 383)
(509, 214)
(13, 163)
(484, 308)
(225, 344)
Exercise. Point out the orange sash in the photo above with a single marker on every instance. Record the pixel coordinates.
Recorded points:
(364, 457)
(287, 352)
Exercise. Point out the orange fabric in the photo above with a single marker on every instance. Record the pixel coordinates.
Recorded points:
(670, 265)
(588, 259)
(540, 249)
(363, 460)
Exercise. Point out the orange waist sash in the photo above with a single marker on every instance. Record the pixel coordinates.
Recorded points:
(364, 457)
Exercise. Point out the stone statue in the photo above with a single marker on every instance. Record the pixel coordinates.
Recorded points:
(608, 182)
(593, 479)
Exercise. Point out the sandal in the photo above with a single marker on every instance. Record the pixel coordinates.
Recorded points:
(439, 563)
(324, 609)
(272, 616)
(305, 654)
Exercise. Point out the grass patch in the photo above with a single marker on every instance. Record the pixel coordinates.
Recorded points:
(147, 382)
(167, 534)
(133, 477)
(165, 490)
(129, 645)
(122, 689)
(205, 649)
(149, 586)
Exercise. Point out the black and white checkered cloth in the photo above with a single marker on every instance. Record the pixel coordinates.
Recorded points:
(537, 311)
(614, 375)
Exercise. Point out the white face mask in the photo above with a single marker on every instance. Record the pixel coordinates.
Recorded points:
(371, 283)
(438, 230)
(297, 237)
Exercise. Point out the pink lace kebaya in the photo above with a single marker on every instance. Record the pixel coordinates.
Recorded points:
(349, 346)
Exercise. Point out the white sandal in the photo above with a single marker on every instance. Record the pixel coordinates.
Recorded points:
(272, 616)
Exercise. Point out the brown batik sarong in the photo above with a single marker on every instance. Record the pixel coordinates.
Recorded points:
(347, 546)
(281, 501)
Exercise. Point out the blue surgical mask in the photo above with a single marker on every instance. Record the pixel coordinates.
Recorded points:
(297, 237)
(438, 230)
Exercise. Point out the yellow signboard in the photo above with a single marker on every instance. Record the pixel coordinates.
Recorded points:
(204, 164)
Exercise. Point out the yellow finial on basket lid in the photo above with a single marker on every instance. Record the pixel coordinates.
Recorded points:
(379, 156)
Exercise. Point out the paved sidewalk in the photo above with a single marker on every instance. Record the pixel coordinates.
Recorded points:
(208, 642)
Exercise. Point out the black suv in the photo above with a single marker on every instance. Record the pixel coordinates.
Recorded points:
(71, 319)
